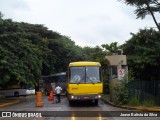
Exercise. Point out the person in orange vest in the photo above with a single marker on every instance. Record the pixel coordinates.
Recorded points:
(58, 90)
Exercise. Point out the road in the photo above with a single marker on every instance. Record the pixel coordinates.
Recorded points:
(63, 111)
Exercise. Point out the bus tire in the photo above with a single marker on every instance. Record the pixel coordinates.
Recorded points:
(16, 94)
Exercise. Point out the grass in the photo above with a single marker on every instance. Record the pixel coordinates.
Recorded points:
(105, 97)
(146, 103)
(149, 103)
(134, 101)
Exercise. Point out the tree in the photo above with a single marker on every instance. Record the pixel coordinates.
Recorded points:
(29, 51)
(63, 51)
(145, 7)
(22, 63)
(20, 57)
(112, 48)
(1, 15)
(143, 54)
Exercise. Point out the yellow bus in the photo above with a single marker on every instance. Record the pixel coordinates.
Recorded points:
(84, 82)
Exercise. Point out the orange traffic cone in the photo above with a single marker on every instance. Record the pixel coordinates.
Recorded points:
(39, 102)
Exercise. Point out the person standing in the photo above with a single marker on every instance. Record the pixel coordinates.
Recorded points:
(58, 90)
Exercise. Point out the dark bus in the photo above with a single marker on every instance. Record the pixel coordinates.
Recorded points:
(51, 81)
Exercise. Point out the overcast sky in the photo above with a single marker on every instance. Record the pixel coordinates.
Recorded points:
(87, 22)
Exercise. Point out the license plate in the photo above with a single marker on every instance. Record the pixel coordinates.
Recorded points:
(86, 97)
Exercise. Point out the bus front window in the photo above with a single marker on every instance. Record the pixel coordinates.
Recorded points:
(77, 75)
(92, 74)
(85, 74)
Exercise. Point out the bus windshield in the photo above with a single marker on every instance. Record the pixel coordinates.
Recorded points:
(85, 74)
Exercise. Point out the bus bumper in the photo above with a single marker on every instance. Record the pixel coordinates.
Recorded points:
(85, 97)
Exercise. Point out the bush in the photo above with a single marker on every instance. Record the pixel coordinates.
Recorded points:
(149, 103)
(105, 97)
(121, 93)
(106, 88)
(134, 101)
(120, 89)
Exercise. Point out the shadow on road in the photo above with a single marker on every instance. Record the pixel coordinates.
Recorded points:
(82, 104)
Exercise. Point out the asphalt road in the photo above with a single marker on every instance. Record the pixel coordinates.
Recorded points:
(63, 111)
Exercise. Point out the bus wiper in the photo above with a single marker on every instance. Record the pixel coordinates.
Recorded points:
(90, 80)
(79, 81)
(87, 78)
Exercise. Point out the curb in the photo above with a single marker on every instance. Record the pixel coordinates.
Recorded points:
(154, 109)
(9, 103)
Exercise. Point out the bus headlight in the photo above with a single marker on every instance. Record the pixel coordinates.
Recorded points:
(99, 96)
(72, 97)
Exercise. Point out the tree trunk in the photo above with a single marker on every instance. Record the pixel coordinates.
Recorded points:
(153, 16)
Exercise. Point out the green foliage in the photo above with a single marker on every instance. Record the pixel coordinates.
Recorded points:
(20, 59)
(128, 77)
(105, 97)
(142, 52)
(112, 48)
(29, 51)
(134, 101)
(121, 93)
(63, 51)
(105, 87)
(1, 15)
(145, 7)
(121, 90)
(149, 103)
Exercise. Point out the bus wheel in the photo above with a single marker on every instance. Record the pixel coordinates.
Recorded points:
(16, 94)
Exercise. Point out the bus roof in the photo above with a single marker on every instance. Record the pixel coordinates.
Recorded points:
(57, 74)
(84, 63)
